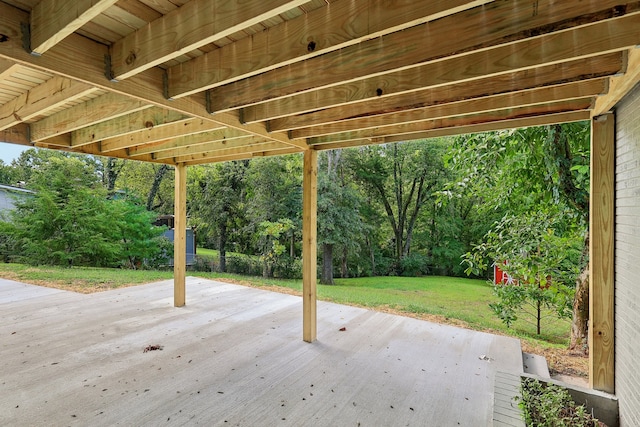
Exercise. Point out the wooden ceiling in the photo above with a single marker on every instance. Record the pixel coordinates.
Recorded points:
(178, 81)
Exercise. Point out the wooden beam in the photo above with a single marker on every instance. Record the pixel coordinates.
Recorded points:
(124, 125)
(601, 255)
(620, 85)
(408, 128)
(582, 69)
(408, 50)
(244, 156)
(340, 24)
(18, 134)
(186, 141)
(51, 94)
(53, 20)
(94, 111)
(569, 91)
(147, 136)
(309, 245)
(552, 49)
(258, 147)
(211, 148)
(82, 59)
(7, 68)
(180, 236)
(197, 23)
(514, 123)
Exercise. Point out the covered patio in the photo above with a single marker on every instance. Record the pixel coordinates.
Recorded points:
(185, 83)
(233, 357)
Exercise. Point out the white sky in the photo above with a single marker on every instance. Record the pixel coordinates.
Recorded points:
(8, 152)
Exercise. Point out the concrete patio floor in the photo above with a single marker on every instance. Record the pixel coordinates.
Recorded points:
(234, 356)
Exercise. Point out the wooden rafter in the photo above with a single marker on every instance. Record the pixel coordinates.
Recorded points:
(182, 142)
(407, 53)
(53, 20)
(88, 113)
(411, 128)
(343, 23)
(125, 125)
(182, 128)
(508, 123)
(195, 24)
(572, 71)
(568, 91)
(79, 58)
(45, 97)
(621, 84)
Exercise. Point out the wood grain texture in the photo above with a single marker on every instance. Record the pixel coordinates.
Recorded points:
(185, 141)
(50, 95)
(406, 49)
(81, 59)
(148, 118)
(197, 23)
(53, 20)
(342, 23)
(453, 122)
(103, 108)
(309, 245)
(212, 148)
(572, 71)
(614, 35)
(507, 123)
(245, 156)
(245, 149)
(601, 255)
(570, 91)
(180, 236)
(146, 136)
(620, 85)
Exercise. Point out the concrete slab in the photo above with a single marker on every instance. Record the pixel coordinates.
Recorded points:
(235, 356)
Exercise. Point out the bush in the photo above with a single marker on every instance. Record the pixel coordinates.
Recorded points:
(287, 268)
(414, 265)
(549, 405)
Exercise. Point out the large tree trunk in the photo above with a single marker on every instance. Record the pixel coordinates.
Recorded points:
(580, 323)
(155, 186)
(327, 264)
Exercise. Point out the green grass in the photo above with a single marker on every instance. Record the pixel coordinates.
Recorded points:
(452, 299)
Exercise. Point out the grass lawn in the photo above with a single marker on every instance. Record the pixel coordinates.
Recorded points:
(457, 301)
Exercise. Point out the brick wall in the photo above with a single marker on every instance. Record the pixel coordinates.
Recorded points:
(627, 259)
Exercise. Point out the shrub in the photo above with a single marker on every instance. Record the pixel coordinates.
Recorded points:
(414, 265)
(549, 405)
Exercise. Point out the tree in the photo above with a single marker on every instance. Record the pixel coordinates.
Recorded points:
(70, 221)
(217, 201)
(274, 194)
(339, 220)
(541, 171)
(402, 178)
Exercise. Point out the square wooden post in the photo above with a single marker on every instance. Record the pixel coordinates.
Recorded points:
(601, 254)
(180, 236)
(309, 242)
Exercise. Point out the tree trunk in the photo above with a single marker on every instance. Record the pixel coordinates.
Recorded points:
(327, 264)
(155, 186)
(580, 322)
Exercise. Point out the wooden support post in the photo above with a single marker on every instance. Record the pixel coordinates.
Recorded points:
(309, 242)
(601, 254)
(180, 236)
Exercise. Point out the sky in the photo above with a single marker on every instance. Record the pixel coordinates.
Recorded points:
(8, 152)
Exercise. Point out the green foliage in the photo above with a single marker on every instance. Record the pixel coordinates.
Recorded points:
(414, 265)
(549, 405)
(70, 221)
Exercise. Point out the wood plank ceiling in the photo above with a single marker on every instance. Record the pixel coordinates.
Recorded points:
(177, 81)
